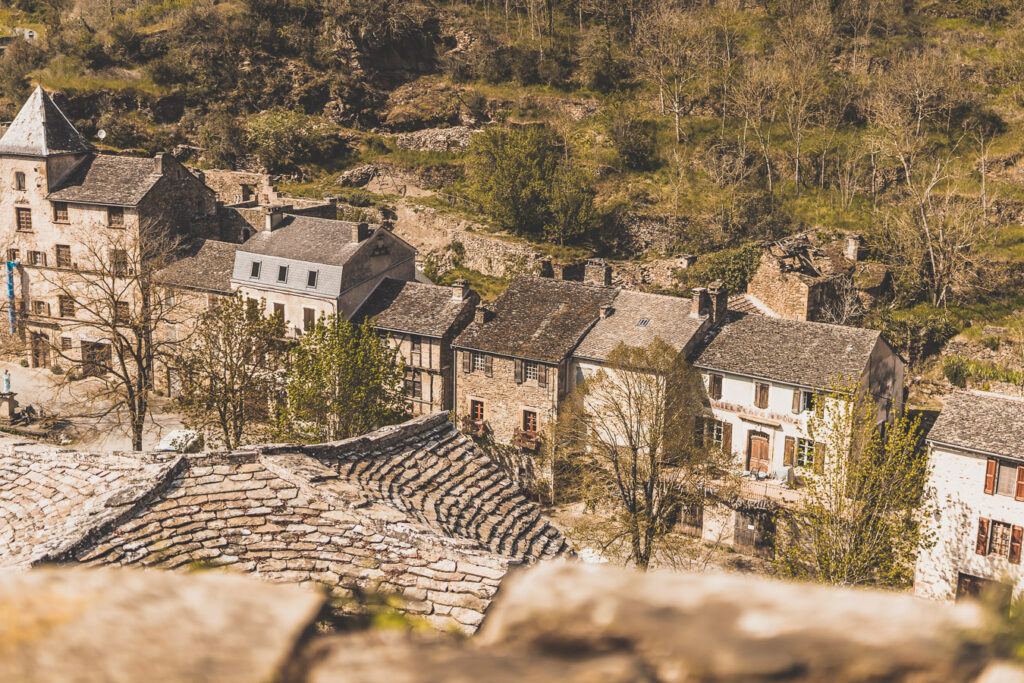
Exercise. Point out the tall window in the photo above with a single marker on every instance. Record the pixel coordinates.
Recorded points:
(807, 400)
(282, 273)
(1006, 478)
(999, 542)
(19, 181)
(715, 387)
(254, 270)
(63, 256)
(12, 255)
(476, 411)
(311, 278)
(65, 343)
(308, 319)
(715, 432)
(115, 216)
(529, 421)
(760, 395)
(530, 370)
(60, 212)
(24, 217)
(119, 262)
(416, 350)
(122, 314)
(479, 362)
(279, 311)
(805, 453)
(67, 306)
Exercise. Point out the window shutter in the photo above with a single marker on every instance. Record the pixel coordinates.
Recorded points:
(990, 476)
(982, 546)
(488, 365)
(542, 375)
(519, 371)
(716, 387)
(1019, 493)
(796, 401)
(819, 457)
(789, 455)
(727, 437)
(466, 362)
(1015, 540)
(698, 430)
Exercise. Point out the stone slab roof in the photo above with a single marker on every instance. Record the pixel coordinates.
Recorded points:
(40, 129)
(205, 265)
(413, 307)
(538, 318)
(790, 351)
(305, 238)
(981, 422)
(637, 319)
(51, 502)
(108, 179)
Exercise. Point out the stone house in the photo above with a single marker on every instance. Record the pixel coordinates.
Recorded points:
(305, 267)
(977, 478)
(415, 510)
(67, 210)
(420, 320)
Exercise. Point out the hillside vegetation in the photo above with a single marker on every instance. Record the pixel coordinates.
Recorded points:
(730, 122)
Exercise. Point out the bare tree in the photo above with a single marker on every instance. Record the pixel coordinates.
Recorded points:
(755, 100)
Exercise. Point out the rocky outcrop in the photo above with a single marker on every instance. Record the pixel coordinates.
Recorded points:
(436, 139)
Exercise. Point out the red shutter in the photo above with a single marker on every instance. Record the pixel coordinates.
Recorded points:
(1015, 538)
(789, 455)
(1019, 493)
(990, 476)
(982, 546)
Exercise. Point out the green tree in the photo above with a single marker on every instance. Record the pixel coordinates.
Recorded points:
(343, 380)
(284, 138)
(571, 205)
(231, 366)
(859, 519)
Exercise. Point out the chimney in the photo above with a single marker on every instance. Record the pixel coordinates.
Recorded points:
(460, 290)
(272, 217)
(719, 301)
(360, 231)
(597, 272)
(699, 302)
(852, 250)
(481, 315)
(158, 163)
(606, 311)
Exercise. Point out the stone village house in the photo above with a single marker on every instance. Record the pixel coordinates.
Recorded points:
(977, 477)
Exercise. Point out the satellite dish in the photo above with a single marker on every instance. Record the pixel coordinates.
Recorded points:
(101, 134)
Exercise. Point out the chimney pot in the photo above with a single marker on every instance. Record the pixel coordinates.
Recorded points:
(460, 290)
(699, 302)
(481, 315)
(719, 301)
(360, 231)
(597, 272)
(158, 163)
(272, 217)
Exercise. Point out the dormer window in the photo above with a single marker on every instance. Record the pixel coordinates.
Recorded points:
(254, 271)
(282, 273)
(19, 181)
(115, 216)
(311, 278)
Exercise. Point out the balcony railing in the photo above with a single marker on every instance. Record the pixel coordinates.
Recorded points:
(473, 427)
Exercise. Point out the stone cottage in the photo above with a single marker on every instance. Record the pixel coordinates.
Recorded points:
(414, 510)
(977, 478)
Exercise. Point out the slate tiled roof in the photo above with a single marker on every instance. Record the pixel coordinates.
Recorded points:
(982, 422)
(538, 318)
(206, 265)
(305, 238)
(667, 318)
(412, 307)
(108, 179)
(790, 351)
(40, 129)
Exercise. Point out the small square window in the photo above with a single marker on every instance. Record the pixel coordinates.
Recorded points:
(807, 400)
(60, 212)
(65, 343)
(254, 271)
(530, 370)
(282, 273)
(311, 278)
(479, 362)
(40, 308)
(36, 258)
(63, 256)
(115, 216)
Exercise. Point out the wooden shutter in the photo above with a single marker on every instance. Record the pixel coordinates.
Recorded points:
(990, 476)
(542, 375)
(819, 457)
(796, 400)
(1015, 540)
(727, 437)
(789, 454)
(467, 361)
(698, 430)
(519, 370)
(1019, 493)
(489, 365)
(716, 387)
(982, 545)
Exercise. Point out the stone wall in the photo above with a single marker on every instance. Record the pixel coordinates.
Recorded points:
(786, 294)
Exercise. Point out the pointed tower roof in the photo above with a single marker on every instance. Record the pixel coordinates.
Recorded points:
(40, 130)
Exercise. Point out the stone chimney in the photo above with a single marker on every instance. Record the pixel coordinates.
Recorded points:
(272, 217)
(360, 231)
(158, 163)
(481, 315)
(700, 303)
(606, 311)
(719, 301)
(460, 290)
(597, 272)
(852, 250)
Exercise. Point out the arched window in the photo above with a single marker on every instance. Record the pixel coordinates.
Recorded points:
(19, 180)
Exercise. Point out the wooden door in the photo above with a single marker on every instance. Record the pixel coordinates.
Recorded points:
(40, 350)
(758, 454)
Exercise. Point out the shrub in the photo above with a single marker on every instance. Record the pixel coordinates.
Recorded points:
(632, 134)
(734, 267)
(916, 333)
(56, 369)
(23, 363)
(955, 370)
(283, 138)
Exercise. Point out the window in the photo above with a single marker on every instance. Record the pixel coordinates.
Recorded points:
(122, 314)
(531, 370)
(36, 258)
(415, 350)
(254, 270)
(760, 395)
(24, 217)
(999, 542)
(417, 385)
(643, 322)
(805, 451)
(115, 216)
(529, 422)
(67, 306)
(715, 387)
(308, 319)
(63, 256)
(715, 431)
(282, 273)
(311, 278)
(1006, 478)
(12, 255)
(999, 538)
(476, 411)
(279, 311)
(479, 362)
(60, 212)
(691, 519)
(119, 262)
(19, 181)
(65, 343)
(40, 308)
